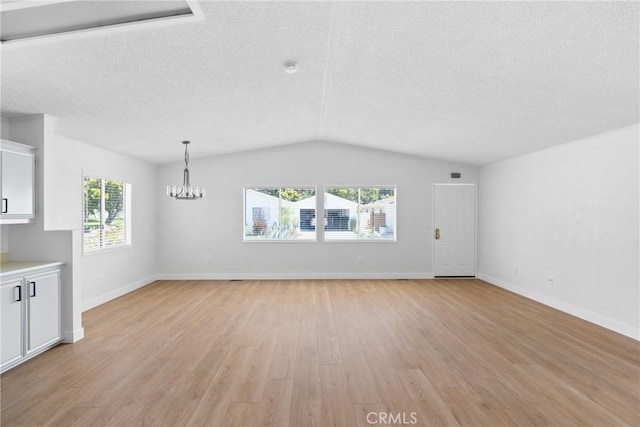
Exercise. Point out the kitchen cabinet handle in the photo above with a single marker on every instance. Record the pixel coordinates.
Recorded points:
(5, 205)
(19, 293)
(33, 294)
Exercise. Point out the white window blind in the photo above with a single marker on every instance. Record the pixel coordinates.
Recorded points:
(107, 213)
(279, 214)
(360, 213)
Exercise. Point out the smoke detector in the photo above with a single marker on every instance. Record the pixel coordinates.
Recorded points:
(290, 67)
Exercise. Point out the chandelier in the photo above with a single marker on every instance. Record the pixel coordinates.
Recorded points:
(186, 191)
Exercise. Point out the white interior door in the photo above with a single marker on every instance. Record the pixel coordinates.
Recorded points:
(454, 230)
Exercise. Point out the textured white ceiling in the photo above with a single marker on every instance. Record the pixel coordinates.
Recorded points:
(464, 81)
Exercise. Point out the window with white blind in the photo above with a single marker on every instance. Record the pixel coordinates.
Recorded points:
(279, 214)
(360, 213)
(107, 213)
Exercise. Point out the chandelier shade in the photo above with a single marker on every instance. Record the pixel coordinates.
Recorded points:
(185, 191)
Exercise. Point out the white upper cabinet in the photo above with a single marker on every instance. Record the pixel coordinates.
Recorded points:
(17, 182)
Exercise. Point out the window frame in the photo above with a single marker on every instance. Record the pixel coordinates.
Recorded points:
(278, 187)
(127, 191)
(361, 240)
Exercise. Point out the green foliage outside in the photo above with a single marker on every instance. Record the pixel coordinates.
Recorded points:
(291, 194)
(114, 227)
(367, 195)
(288, 221)
(113, 198)
(287, 228)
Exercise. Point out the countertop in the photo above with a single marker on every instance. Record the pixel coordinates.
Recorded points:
(11, 268)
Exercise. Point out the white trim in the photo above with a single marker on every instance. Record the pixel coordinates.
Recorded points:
(106, 249)
(87, 305)
(70, 337)
(17, 147)
(605, 322)
(195, 16)
(292, 276)
(279, 241)
(24, 4)
(330, 241)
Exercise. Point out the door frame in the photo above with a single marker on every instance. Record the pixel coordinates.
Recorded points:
(433, 225)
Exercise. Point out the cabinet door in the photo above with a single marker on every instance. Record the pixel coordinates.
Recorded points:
(11, 306)
(18, 181)
(43, 295)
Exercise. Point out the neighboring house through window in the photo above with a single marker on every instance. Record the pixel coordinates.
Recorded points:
(350, 214)
(279, 214)
(360, 213)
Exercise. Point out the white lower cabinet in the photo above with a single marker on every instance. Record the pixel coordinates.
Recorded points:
(11, 315)
(30, 315)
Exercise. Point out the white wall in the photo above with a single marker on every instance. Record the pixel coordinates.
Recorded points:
(4, 238)
(104, 275)
(57, 234)
(32, 242)
(204, 239)
(570, 212)
(4, 128)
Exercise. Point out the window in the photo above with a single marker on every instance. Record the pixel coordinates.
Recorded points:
(107, 213)
(360, 213)
(279, 214)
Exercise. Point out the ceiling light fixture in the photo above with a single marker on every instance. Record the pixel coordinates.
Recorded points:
(185, 192)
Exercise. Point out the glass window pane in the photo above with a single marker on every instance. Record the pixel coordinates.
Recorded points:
(114, 223)
(92, 209)
(360, 213)
(106, 213)
(279, 214)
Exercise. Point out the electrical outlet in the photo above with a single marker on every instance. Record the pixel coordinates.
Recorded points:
(515, 269)
(550, 280)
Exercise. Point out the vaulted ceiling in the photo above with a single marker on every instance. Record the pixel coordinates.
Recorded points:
(473, 82)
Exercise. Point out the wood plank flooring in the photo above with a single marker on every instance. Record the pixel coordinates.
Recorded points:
(325, 353)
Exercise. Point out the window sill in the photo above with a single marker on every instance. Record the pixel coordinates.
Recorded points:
(361, 241)
(279, 241)
(106, 250)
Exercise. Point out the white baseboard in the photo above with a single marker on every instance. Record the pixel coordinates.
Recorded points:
(589, 316)
(291, 276)
(73, 336)
(117, 293)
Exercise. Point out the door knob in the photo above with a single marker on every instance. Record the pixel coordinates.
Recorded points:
(437, 234)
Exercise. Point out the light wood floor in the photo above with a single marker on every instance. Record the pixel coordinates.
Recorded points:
(456, 352)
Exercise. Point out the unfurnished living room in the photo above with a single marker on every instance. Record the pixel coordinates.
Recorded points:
(320, 213)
